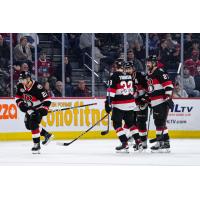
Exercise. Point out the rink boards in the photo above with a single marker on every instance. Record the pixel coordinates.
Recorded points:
(183, 120)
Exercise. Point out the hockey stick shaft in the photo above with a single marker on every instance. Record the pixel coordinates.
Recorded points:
(108, 127)
(67, 144)
(73, 107)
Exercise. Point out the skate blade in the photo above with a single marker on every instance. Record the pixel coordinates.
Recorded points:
(161, 151)
(49, 140)
(35, 152)
(122, 151)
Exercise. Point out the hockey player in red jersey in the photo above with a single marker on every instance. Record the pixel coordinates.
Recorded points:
(120, 100)
(33, 100)
(160, 89)
(141, 100)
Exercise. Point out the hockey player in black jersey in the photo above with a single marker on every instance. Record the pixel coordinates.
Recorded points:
(141, 100)
(160, 89)
(33, 100)
(120, 100)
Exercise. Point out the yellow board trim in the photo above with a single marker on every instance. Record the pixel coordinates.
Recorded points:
(94, 135)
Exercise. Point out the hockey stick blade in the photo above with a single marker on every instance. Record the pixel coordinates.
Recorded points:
(104, 132)
(68, 143)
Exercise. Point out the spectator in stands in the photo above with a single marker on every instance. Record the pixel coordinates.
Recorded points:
(192, 62)
(178, 92)
(81, 90)
(47, 87)
(45, 69)
(58, 89)
(154, 42)
(165, 53)
(197, 78)
(22, 53)
(170, 42)
(4, 52)
(132, 38)
(31, 37)
(85, 45)
(131, 57)
(139, 51)
(189, 83)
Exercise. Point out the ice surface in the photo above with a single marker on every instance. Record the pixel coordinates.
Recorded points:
(98, 152)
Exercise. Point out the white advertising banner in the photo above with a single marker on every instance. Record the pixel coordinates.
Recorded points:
(184, 116)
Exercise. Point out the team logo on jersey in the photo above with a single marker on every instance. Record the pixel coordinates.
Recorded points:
(150, 85)
(27, 97)
(22, 90)
(39, 86)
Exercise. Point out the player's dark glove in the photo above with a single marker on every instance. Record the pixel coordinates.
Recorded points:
(108, 107)
(35, 116)
(23, 106)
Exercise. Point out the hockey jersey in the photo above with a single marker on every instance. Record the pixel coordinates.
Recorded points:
(36, 96)
(159, 85)
(121, 91)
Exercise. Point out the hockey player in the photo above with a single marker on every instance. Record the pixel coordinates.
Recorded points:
(141, 100)
(160, 89)
(33, 100)
(120, 100)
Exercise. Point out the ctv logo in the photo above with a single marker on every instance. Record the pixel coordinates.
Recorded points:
(8, 111)
(178, 108)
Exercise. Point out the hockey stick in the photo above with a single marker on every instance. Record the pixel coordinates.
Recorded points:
(108, 127)
(68, 143)
(73, 107)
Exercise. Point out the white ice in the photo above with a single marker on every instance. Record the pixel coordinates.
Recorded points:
(99, 153)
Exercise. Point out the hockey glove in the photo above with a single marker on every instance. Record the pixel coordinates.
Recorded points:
(108, 107)
(23, 106)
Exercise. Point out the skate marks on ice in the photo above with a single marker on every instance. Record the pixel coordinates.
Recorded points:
(184, 152)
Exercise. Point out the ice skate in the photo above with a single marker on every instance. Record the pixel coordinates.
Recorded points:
(123, 148)
(165, 147)
(138, 146)
(144, 145)
(36, 148)
(47, 138)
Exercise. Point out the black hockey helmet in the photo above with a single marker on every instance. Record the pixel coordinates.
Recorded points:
(119, 63)
(128, 64)
(24, 75)
(152, 58)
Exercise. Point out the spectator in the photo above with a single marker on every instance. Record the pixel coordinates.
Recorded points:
(81, 90)
(4, 52)
(68, 70)
(132, 38)
(22, 53)
(178, 92)
(189, 83)
(154, 42)
(165, 53)
(45, 69)
(58, 89)
(139, 51)
(138, 65)
(48, 89)
(85, 45)
(197, 78)
(30, 38)
(192, 62)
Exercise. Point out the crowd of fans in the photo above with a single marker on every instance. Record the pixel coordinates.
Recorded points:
(108, 47)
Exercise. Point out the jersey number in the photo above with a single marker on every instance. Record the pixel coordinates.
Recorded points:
(127, 87)
(44, 94)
